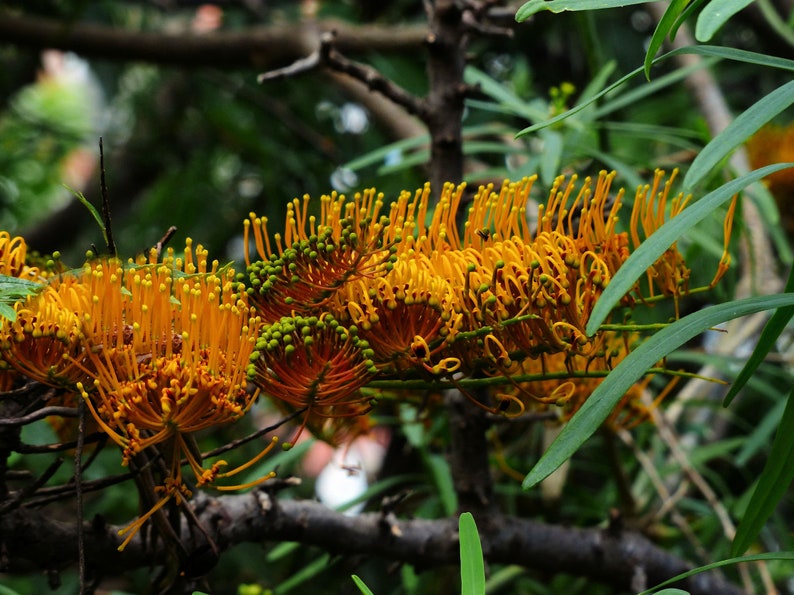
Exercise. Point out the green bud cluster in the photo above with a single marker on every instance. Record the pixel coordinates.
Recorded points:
(282, 338)
(317, 252)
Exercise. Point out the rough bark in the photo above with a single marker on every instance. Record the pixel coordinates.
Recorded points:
(33, 540)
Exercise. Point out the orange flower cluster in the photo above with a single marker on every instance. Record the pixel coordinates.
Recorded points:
(499, 296)
(157, 348)
(775, 144)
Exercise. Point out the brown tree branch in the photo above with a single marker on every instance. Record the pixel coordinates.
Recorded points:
(34, 540)
(262, 46)
(447, 44)
(468, 457)
(328, 56)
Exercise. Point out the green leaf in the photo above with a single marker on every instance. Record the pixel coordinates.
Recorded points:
(308, 572)
(685, 16)
(551, 156)
(720, 564)
(596, 85)
(745, 124)
(702, 50)
(772, 484)
(736, 55)
(760, 437)
(663, 29)
(502, 95)
(598, 406)
(7, 311)
(472, 568)
(673, 592)
(635, 95)
(14, 289)
(653, 247)
(772, 330)
(361, 586)
(379, 154)
(714, 15)
(533, 6)
(91, 209)
(18, 287)
(442, 478)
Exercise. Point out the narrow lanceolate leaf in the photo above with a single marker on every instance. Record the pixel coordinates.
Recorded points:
(738, 131)
(604, 399)
(361, 585)
(662, 30)
(774, 327)
(772, 485)
(472, 567)
(653, 248)
(533, 6)
(719, 564)
(714, 15)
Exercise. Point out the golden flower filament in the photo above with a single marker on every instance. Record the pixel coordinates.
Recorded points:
(317, 257)
(167, 345)
(13, 257)
(400, 314)
(45, 340)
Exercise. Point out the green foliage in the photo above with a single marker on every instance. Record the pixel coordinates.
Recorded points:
(361, 586)
(534, 6)
(46, 123)
(664, 29)
(12, 290)
(596, 409)
(773, 483)
(766, 341)
(650, 250)
(472, 569)
(738, 132)
(715, 14)
(714, 565)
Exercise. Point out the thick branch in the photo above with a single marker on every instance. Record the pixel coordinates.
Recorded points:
(468, 457)
(255, 46)
(34, 540)
(447, 45)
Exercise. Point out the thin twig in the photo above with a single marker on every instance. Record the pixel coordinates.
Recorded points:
(37, 415)
(20, 496)
(78, 478)
(668, 435)
(33, 449)
(164, 240)
(664, 494)
(301, 66)
(328, 56)
(240, 441)
(111, 245)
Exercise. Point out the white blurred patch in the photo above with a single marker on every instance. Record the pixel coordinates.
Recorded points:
(343, 179)
(352, 119)
(343, 480)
